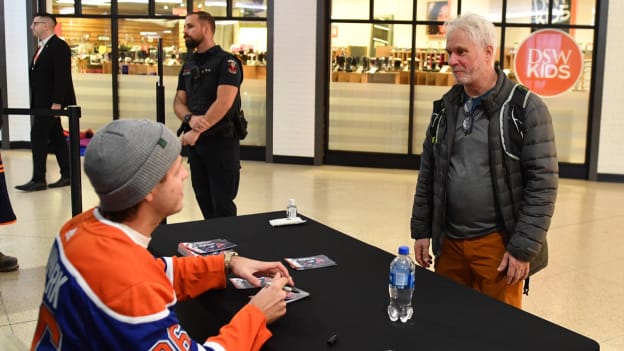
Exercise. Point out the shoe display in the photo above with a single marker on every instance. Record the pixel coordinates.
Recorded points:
(60, 183)
(32, 186)
(8, 263)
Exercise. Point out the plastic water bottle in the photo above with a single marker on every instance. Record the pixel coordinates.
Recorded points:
(291, 209)
(401, 287)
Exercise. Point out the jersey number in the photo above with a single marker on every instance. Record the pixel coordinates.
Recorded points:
(176, 335)
(47, 322)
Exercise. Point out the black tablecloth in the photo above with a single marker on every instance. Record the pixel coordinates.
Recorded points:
(349, 300)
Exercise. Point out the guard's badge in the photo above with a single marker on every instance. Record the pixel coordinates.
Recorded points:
(232, 66)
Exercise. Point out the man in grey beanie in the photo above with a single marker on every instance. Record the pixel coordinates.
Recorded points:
(105, 291)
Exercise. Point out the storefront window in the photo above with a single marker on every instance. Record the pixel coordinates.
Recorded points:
(90, 40)
(215, 8)
(432, 77)
(369, 91)
(90, 43)
(567, 12)
(582, 12)
(63, 7)
(140, 8)
(513, 39)
(138, 44)
(569, 110)
(368, 96)
(350, 9)
(521, 11)
(171, 8)
(492, 10)
(95, 8)
(138, 54)
(249, 8)
(440, 11)
(396, 9)
(249, 41)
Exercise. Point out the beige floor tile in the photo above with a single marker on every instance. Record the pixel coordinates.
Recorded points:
(31, 251)
(24, 332)
(611, 272)
(9, 341)
(616, 344)
(588, 243)
(21, 296)
(580, 302)
(4, 319)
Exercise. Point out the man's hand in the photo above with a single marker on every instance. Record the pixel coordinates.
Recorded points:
(252, 269)
(199, 123)
(56, 107)
(516, 270)
(421, 252)
(189, 138)
(271, 300)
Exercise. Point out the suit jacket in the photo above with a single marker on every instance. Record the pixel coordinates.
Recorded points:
(50, 76)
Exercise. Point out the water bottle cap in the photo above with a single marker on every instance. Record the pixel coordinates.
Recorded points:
(291, 202)
(403, 250)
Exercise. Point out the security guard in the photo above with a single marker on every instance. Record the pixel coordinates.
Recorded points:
(207, 101)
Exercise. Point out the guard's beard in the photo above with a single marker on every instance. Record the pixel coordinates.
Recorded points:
(191, 43)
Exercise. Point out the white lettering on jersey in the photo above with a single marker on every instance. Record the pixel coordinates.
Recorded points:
(70, 233)
(56, 279)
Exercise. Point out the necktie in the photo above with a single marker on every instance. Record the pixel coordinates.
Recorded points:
(37, 54)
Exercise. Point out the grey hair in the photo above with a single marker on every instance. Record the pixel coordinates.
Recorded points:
(477, 27)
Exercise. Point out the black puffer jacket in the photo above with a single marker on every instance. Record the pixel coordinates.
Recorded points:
(525, 189)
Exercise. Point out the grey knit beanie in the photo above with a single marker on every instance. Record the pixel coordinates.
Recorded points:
(126, 159)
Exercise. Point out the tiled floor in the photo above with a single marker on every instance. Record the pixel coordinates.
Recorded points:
(582, 288)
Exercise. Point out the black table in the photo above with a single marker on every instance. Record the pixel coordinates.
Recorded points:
(349, 300)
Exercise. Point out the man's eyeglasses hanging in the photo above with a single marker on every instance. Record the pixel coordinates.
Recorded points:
(469, 113)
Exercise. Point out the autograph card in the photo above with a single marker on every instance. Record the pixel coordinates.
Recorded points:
(310, 262)
(240, 283)
(202, 248)
(296, 294)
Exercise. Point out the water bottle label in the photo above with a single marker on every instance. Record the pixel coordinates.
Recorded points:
(291, 212)
(402, 280)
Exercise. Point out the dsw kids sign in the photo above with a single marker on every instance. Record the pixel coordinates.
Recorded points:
(549, 62)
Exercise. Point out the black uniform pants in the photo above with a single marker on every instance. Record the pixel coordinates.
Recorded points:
(215, 174)
(47, 131)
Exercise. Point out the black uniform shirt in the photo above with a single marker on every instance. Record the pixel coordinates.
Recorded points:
(221, 71)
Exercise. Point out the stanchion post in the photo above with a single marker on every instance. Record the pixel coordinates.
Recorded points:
(74, 113)
(160, 93)
(160, 87)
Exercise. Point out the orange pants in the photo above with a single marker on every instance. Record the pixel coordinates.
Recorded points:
(473, 262)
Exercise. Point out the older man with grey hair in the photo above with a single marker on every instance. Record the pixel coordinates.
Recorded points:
(485, 209)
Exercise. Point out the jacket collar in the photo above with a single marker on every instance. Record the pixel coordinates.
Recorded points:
(43, 42)
(491, 103)
(208, 52)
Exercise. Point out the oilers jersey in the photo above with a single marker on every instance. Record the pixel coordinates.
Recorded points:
(105, 291)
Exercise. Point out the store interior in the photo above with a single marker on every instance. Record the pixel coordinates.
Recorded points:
(90, 41)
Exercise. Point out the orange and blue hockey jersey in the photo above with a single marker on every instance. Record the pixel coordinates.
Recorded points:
(105, 291)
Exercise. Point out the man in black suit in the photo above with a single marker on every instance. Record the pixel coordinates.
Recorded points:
(51, 86)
